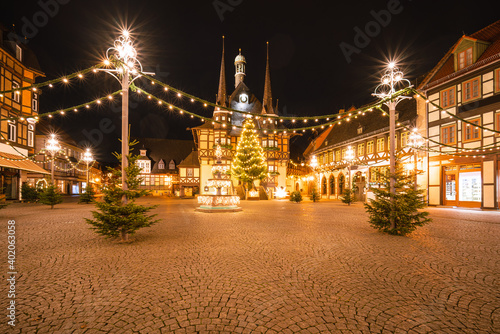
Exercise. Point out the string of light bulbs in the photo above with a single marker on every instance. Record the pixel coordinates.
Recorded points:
(50, 83)
(86, 105)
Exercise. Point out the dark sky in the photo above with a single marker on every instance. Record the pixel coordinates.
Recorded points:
(181, 42)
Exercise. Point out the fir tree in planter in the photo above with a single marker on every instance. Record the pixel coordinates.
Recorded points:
(51, 196)
(404, 209)
(314, 194)
(115, 219)
(348, 196)
(88, 196)
(296, 197)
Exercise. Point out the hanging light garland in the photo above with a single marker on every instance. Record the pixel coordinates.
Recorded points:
(86, 105)
(64, 79)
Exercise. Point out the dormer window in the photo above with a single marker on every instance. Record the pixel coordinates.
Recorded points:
(360, 130)
(465, 58)
(19, 53)
(171, 164)
(143, 153)
(161, 164)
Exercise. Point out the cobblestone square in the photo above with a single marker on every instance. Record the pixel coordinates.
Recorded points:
(275, 267)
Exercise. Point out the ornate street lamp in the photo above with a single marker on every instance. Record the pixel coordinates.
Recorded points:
(392, 79)
(88, 158)
(415, 142)
(123, 57)
(52, 145)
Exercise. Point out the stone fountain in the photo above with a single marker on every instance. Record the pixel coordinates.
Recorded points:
(221, 200)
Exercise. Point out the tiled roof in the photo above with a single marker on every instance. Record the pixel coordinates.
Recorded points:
(29, 58)
(371, 122)
(166, 149)
(191, 160)
(445, 67)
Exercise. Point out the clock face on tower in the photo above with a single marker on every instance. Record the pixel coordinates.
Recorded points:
(243, 98)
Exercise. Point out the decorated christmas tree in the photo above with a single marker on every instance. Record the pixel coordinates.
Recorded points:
(115, 218)
(249, 162)
(403, 209)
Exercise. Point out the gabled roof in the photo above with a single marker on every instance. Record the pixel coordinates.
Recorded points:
(445, 68)
(166, 149)
(317, 142)
(9, 41)
(44, 128)
(371, 122)
(191, 160)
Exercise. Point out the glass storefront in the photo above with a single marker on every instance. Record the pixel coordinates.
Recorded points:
(470, 187)
(462, 185)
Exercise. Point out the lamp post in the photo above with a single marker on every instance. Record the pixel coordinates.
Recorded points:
(416, 141)
(349, 156)
(391, 79)
(53, 147)
(123, 57)
(88, 158)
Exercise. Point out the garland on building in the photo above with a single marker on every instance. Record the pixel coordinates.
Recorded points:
(249, 162)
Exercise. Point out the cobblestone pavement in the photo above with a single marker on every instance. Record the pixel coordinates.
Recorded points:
(276, 267)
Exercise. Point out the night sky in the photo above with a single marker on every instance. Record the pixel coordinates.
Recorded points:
(181, 42)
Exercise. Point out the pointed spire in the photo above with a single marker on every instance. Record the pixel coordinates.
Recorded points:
(222, 93)
(267, 101)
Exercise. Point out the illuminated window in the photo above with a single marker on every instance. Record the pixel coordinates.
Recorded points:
(472, 131)
(471, 90)
(31, 135)
(19, 53)
(189, 172)
(369, 147)
(34, 102)
(448, 97)
(337, 155)
(448, 134)
(380, 145)
(404, 138)
(465, 58)
(343, 153)
(361, 150)
(16, 96)
(330, 156)
(12, 131)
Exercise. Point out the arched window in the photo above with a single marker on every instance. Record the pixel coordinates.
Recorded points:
(332, 185)
(323, 185)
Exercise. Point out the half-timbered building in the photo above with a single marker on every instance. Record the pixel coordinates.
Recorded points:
(464, 157)
(225, 129)
(18, 68)
(367, 134)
